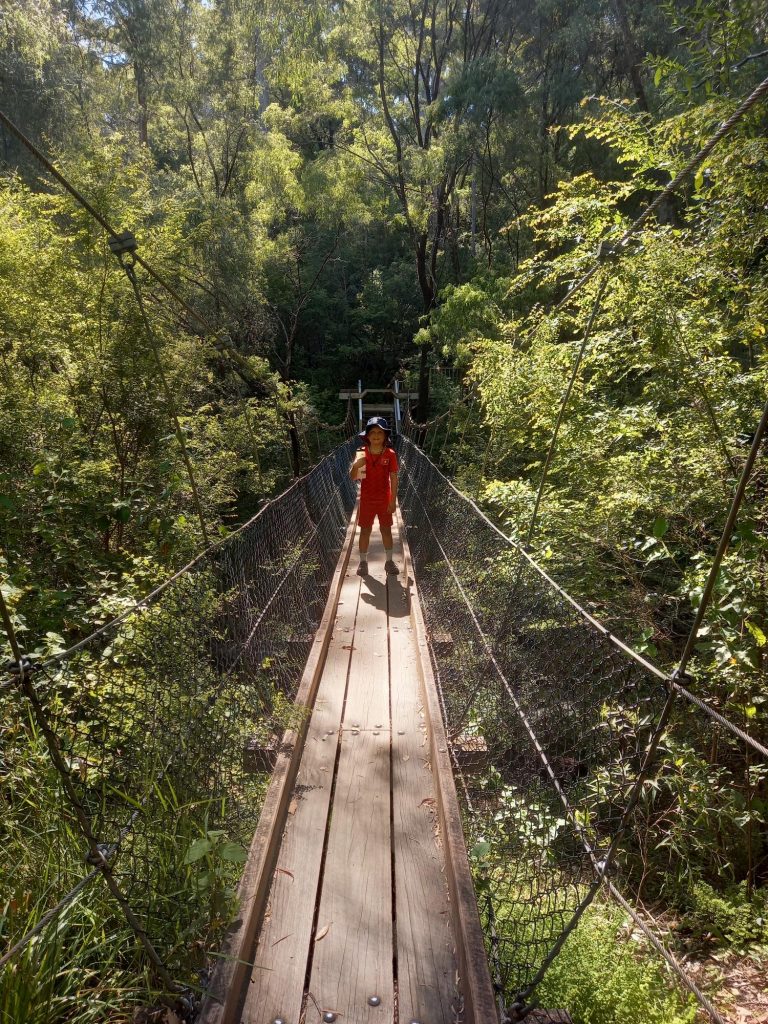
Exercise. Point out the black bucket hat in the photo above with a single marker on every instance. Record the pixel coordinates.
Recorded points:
(374, 421)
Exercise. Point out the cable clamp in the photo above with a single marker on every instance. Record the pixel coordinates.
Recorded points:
(605, 869)
(22, 668)
(102, 855)
(520, 1009)
(122, 243)
(608, 251)
(677, 678)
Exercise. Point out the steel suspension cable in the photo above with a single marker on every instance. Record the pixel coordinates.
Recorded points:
(725, 128)
(99, 856)
(153, 595)
(669, 678)
(600, 864)
(119, 238)
(671, 960)
(127, 261)
(725, 540)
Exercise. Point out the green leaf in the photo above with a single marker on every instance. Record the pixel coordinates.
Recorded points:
(657, 75)
(197, 850)
(757, 633)
(750, 711)
(234, 853)
(660, 527)
(121, 510)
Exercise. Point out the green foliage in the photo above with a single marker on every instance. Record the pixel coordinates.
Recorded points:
(734, 918)
(313, 180)
(76, 970)
(603, 976)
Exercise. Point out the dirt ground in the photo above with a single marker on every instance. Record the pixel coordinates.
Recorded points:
(738, 985)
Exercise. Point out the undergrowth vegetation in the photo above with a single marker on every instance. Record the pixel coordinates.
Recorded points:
(606, 975)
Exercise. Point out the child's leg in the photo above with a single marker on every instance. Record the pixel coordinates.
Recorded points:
(386, 536)
(365, 536)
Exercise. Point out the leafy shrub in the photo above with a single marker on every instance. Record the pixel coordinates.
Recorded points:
(731, 918)
(602, 977)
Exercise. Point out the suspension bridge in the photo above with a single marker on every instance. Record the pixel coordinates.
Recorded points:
(428, 732)
(454, 755)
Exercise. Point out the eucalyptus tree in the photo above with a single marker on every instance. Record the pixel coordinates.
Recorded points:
(424, 80)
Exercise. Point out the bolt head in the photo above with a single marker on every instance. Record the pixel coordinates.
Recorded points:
(329, 1017)
(374, 1000)
(278, 1020)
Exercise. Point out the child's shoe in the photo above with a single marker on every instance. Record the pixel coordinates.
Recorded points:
(362, 569)
(391, 568)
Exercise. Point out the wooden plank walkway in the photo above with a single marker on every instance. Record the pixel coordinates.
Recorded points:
(356, 902)
(359, 903)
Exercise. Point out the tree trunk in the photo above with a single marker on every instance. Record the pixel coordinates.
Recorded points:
(633, 55)
(426, 284)
(141, 99)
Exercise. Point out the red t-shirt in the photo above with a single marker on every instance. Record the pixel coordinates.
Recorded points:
(375, 487)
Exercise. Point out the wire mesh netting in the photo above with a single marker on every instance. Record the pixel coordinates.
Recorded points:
(552, 725)
(165, 723)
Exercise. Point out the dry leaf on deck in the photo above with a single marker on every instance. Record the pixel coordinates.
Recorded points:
(323, 932)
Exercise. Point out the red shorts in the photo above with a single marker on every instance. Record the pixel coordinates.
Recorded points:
(368, 512)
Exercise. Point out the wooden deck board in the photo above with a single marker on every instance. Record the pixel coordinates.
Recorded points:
(276, 989)
(426, 965)
(353, 944)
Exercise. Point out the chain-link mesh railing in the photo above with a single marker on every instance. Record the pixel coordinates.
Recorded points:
(553, 727)
(152, 737)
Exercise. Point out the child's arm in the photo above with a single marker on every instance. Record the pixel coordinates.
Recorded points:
(393, 494)
(357, 465)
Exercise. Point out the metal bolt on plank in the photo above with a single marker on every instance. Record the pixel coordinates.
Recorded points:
(374, 1000)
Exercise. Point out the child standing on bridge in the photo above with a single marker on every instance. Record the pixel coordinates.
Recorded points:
(376, 468)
